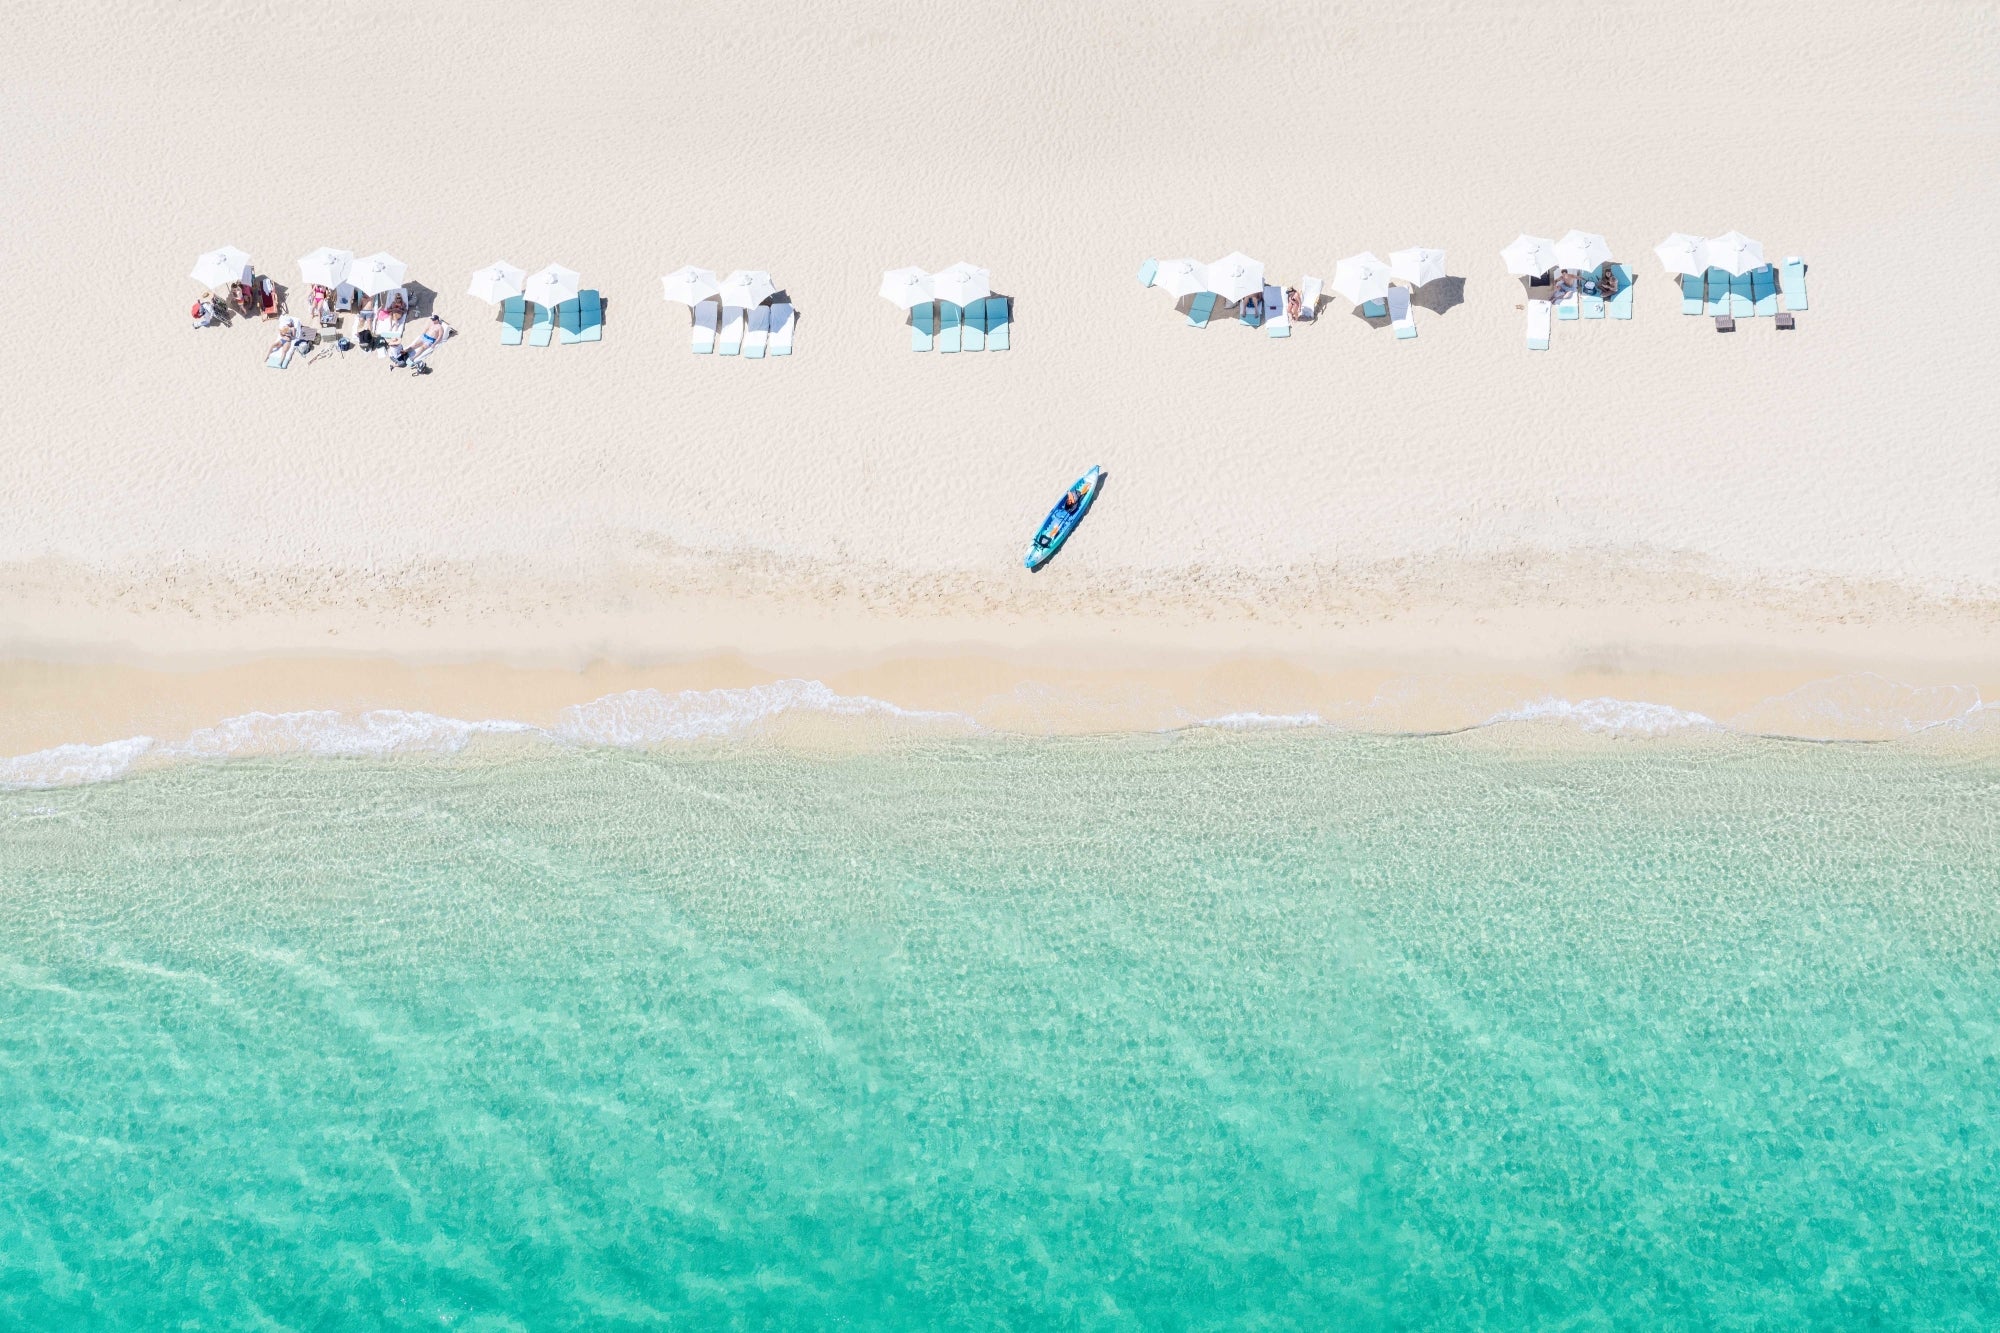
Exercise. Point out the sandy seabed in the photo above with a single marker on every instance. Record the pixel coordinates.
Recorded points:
(1649, 512)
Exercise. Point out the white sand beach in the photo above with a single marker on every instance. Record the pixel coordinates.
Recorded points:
(1648, 500)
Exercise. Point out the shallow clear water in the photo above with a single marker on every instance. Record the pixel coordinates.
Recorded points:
(1200, 1031)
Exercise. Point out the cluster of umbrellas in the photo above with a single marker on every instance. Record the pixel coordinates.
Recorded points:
(1732, 252)
(1360, 278)
(1578, 251)
(961, 284)
(744, 287)
(501, 281)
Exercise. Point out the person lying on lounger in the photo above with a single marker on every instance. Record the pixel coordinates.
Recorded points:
(433, 333)
(1292, 302)
(204, 313)
(284, 337)
(1607, 281)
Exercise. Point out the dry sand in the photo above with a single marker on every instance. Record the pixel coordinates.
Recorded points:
(1648, 499)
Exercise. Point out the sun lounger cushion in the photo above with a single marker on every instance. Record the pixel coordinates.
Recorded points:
(1309, 290)
(1691, 294)
(1715, 285)
(731, 340)
(999, 319)
(1277, 323)
(758, 335)
(1375, 310)
(1764, 290)
(1201, 309)
(1621, 304)
(1538, 326)
(1570, 306)
(974, 339)
(1147, 271)
(783, 323)
(702, 337)
(923, 326)
(1400, 317)
(950, 321)
(543, 327)
(592, 306)
(569, 321)
(513, 318)
(1792, 280)
(1742, 303)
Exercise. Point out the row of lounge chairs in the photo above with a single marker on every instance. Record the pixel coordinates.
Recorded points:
(750, 333)
(1268, 313)
(1728, 297)
(577, 320)
(983, 326)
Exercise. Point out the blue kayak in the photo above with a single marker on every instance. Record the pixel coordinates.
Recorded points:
(1062, 520)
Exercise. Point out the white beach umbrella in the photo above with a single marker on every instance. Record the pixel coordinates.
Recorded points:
(690, 285)
(1530, 256)
(746, 287)
(1362, 278)
(218, 268)
(1235, 276)
(962, 284)
(496, 282)
(1681, 253)
(906, 288)
(1583, 251)
(551, 286)
(326, 267)
(1181, 277)
(377, 273)
(1735, 253)
(1417, 265)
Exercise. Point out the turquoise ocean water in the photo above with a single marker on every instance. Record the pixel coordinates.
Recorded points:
(1270, 1030)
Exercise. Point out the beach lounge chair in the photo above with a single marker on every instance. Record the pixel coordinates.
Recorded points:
(592, 303)
(1201, 309)
(1716, 292)
(1742, 303)
(1691, 293)
(1792, 281)
(1147, 271)
(974, 337)
(783, 323)
(281, 357)
(757, 336)
(1764, 290)
(1400, 318)
(950, 318)
(730, 342)
(1277, 321)
(1570, 305)
(569, 322)
(542, 326)
(1621, 304)
(1251, 311)
(702, 338)
(1309, 291)
(267, 293)
(1538, 326)
(1376, 309)
(923, 326)
(343, 298)
(999, 319)
(1589, 304)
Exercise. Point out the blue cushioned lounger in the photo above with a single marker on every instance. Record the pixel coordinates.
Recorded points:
(923, 324)
(592, 304)
(1717, 301)
(513, 318)
(1376, 310)
(544, 326)
(1621, 304)
(1764, 290)
(974, 337)
(1742, 304)
(1792, 281)
(1590, 304)
(730, 342)
(998, 317)
(950, 317)
(1691, 293)
(1203, 307)
(569, 321)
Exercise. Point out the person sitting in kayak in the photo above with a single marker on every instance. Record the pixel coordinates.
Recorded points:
(1071, 499)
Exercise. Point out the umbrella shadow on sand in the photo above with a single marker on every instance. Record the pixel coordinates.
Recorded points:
(423, 301)
(1441, 295)
(1380, 321)
(1102, 478)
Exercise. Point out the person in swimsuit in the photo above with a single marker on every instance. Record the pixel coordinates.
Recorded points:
(433, 333)
(1071, 499)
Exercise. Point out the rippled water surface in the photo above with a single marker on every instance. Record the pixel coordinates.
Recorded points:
(1197, 1031)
